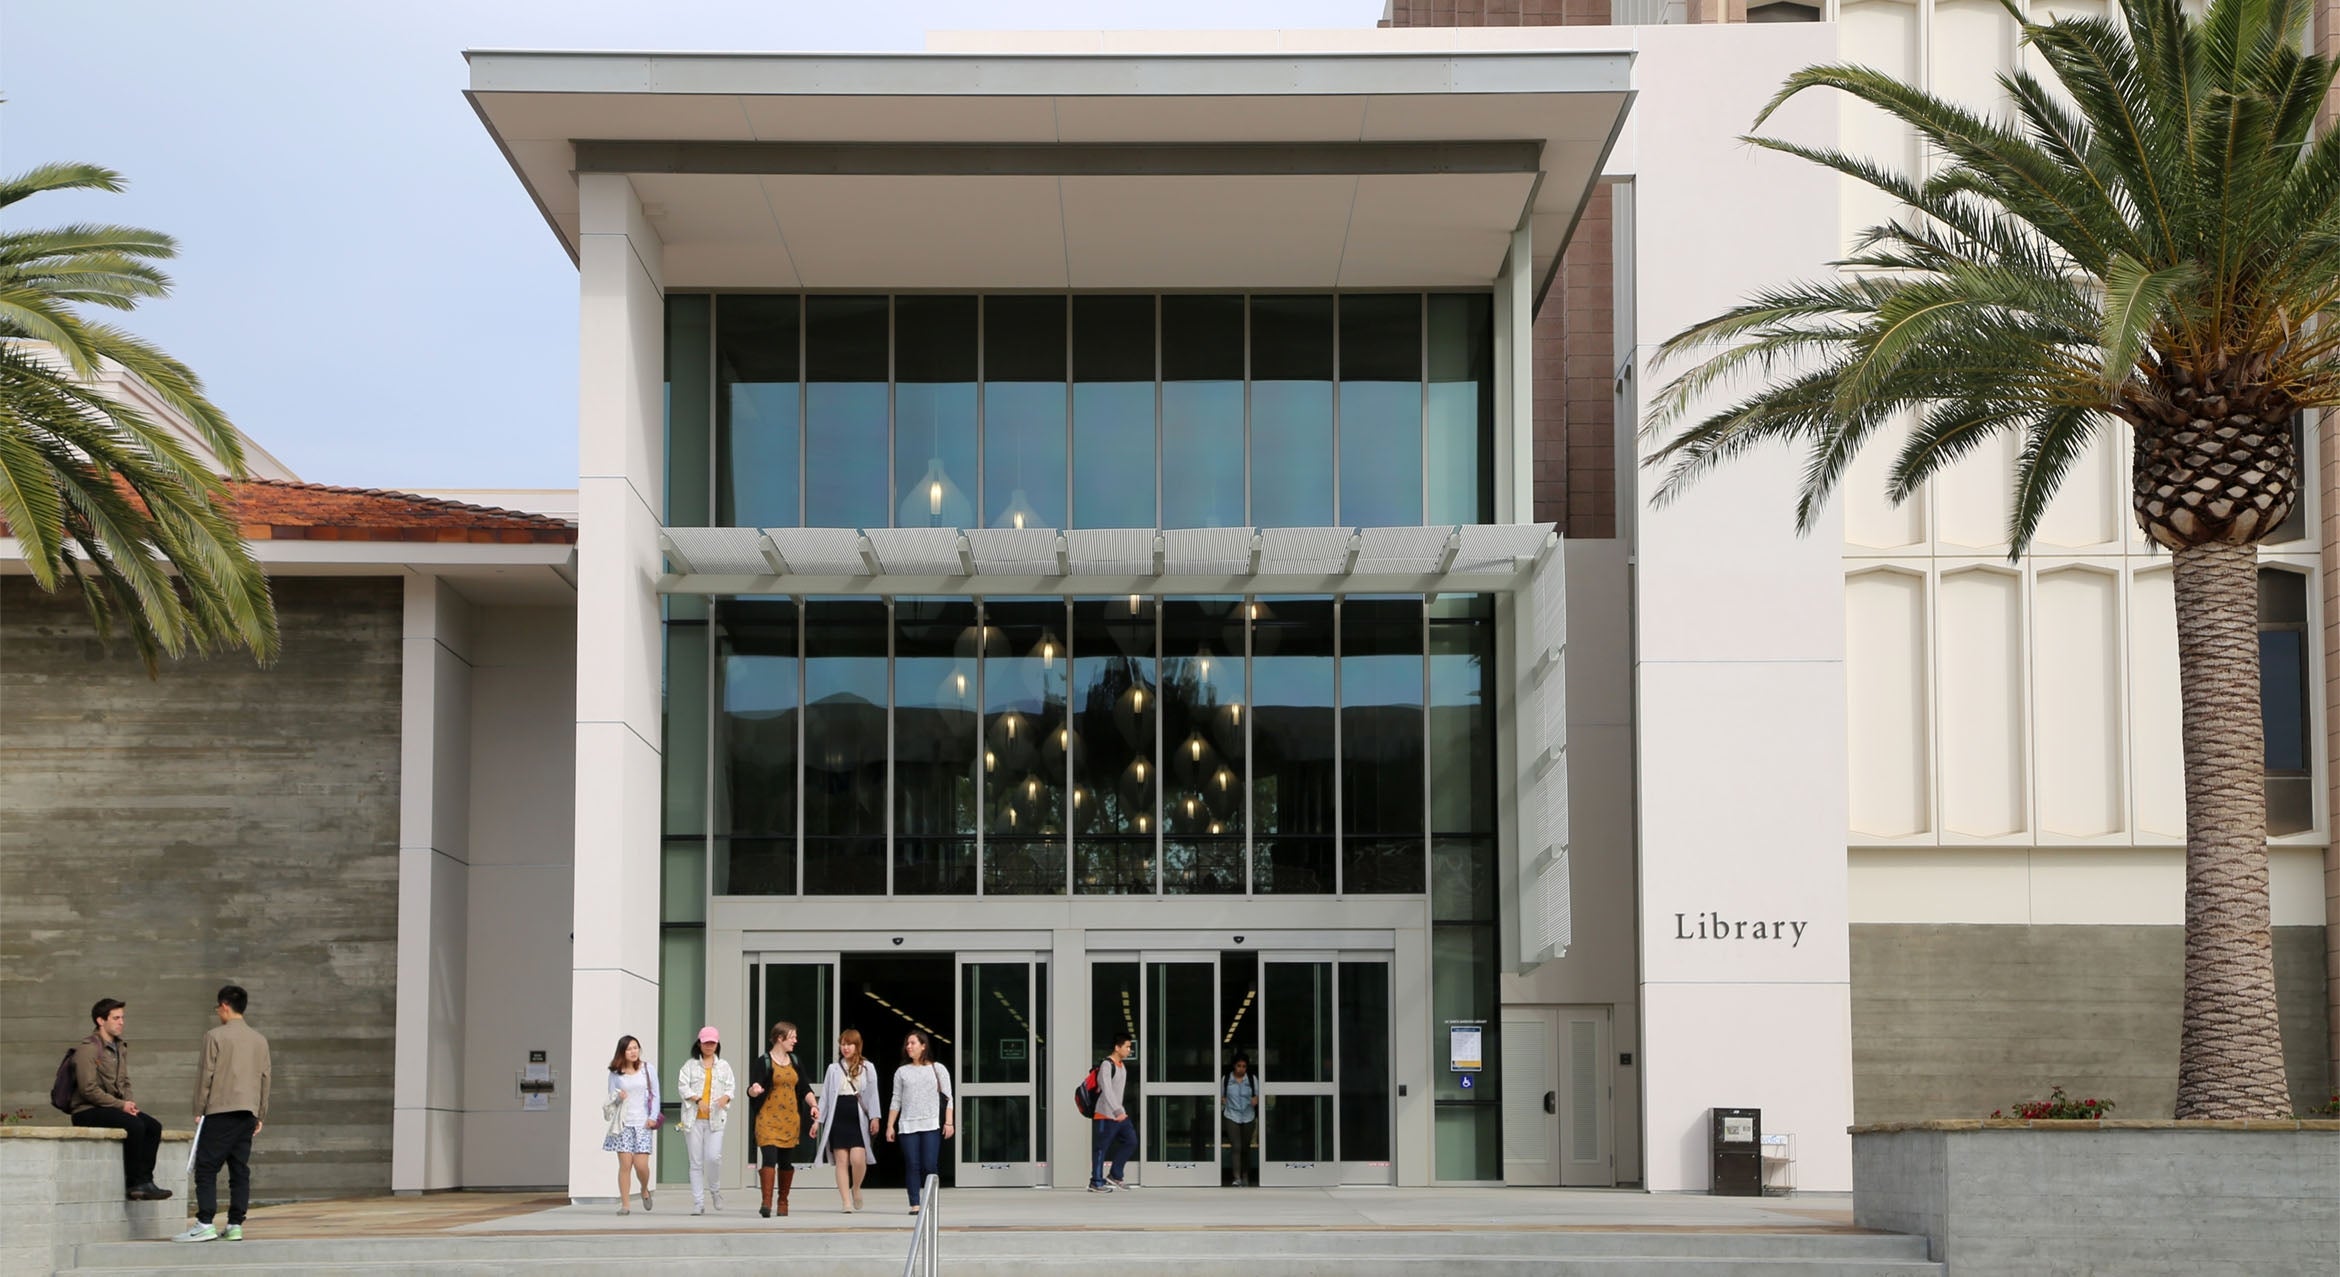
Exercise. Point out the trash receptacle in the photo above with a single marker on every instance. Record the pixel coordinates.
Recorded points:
(1736, 1159)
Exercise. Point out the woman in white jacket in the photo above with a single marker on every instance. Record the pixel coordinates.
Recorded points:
(706, 1088)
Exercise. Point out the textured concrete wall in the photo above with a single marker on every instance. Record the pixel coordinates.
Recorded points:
(2172, 1201)
(1954, 1021)
(64, 1187)
(224, 823)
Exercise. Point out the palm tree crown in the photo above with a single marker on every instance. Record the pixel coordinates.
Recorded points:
(2153, 238)
(94, 490)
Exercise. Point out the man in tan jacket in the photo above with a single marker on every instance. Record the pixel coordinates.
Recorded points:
(231, 1103)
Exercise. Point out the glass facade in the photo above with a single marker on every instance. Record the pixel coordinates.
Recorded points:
(1090, 410)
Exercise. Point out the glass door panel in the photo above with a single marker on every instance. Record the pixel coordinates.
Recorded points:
(999, 1059)
(1296, 1072)
(1362, 1057)
(802, 990)
(1177, 1077)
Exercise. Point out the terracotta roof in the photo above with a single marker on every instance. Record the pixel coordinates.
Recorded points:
(278, 510)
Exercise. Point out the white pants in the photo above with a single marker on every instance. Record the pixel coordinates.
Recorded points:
(706, 1145)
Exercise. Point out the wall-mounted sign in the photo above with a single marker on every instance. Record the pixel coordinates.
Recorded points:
(536, 1102)
(1011, 1048)
(1465, 1050)
(1712, 925)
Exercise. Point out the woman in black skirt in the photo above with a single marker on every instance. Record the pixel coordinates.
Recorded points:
(849, 1117)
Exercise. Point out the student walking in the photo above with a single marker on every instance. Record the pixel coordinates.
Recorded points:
(1239, 1116)
(1116, 1137)
(231, 1106)
(782, 1114)
(100, 1083)
(921, 1111)
(849, 1117)
(706, 1087)
(632, 1113)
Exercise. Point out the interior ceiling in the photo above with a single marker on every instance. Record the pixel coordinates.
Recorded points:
(1302, 231)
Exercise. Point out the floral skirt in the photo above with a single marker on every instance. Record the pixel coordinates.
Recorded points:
(629, 1139)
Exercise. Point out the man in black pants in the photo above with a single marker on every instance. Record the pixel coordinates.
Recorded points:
(101, 1097)
(231, 1100)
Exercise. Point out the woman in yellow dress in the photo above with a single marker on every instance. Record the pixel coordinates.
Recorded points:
(779, 1128)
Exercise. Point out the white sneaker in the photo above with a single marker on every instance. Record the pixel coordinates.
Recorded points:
(198, 1233)
(698, 1208)
(715, 1201)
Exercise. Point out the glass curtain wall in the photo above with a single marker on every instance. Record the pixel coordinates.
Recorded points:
(1202, 412)
(1203, 718)
(1459, 462)
(1381, 410)
(1292, 411)
(1293, 672)
(1468, 1123)
(758, 409)
(846, 347)
(1116, 774)
(937, 741)
(684, 725)
(1382, 778)
(1024, 411)
(758, 697)
(1024, 747)
(935, 435)
(845, 746)
(1113, 411)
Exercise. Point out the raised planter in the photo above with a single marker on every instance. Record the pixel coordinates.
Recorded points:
(2126, 1197)
(62, 1185)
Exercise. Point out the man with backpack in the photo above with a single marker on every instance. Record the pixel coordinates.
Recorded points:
(1116, 1136)
(93, 1087)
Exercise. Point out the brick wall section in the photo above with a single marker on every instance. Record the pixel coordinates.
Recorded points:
(1575, 426)
(221, 823)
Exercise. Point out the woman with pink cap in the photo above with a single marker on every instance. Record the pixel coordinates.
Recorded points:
(706, 1090)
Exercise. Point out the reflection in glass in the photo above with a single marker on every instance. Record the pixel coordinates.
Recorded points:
(757, 701)
(1292, 411)
(999, 1127)
(1298, 1023)
(1292, 743)
(934, 412)
(1113, 412)
(998, 1022)
(1462, 758)
(1113, 1004)
(1364, 1053)
(756, 411)
(1181, 1128)
(845, 412)
(936, 744)
(1462, 408)
(1381, 409)
(1381, 745)
(1182, 1024)
(845, 747)
(1115, 773)
(689, 411)
(1024, 742)
(1203, 701)
(1023, 411)
(1202, 411)
(1298, 1128)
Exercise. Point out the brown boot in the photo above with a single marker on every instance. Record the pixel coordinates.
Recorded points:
(787, 1178)
(764, 1176)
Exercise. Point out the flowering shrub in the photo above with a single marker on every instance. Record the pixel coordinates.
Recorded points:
(2329, 1108)
(2057, 1107)
(20, 1115)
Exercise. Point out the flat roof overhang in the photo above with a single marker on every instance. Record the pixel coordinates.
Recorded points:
(1384, 169)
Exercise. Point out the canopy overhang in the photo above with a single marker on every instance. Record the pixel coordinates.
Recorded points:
(1341, 169)
(1466, 559)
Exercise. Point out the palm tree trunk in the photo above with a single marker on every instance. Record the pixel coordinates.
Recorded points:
(2230, 1055)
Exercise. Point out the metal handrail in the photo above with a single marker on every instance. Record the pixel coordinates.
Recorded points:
(925, 1235)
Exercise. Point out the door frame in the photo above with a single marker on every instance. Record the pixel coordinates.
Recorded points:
(1031, 1173)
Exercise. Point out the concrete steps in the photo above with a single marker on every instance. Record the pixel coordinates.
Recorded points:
(981, 1252)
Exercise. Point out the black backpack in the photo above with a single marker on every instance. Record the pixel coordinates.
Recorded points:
(1084, 1095)
(62, 1091)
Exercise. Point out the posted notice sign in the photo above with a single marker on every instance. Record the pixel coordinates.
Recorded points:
(1464, 1050)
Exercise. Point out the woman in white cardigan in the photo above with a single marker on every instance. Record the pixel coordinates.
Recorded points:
(706, 1090)
(849, 1117)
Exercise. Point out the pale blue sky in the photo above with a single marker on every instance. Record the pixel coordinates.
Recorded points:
(362, 282)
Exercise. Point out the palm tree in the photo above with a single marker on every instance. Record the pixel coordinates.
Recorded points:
(94, 490)
(2158, 244)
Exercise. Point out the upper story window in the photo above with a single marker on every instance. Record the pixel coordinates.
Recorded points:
(1091, 410)
(2284, 716)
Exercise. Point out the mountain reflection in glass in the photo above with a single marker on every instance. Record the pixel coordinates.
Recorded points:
(845, 747)
(1116, 777)
(937, 743)
(757, 700)
(1025, 737)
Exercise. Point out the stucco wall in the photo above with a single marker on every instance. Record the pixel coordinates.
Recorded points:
(1954, 1021)
(223, 823)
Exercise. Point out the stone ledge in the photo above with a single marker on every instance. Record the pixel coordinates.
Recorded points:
(14, 1132)
(2103, 1124)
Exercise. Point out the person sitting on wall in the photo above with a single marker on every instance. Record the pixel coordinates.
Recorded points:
(101, 1097)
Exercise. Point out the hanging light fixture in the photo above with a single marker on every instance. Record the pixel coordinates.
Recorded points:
(935, 501)
(1019, 512)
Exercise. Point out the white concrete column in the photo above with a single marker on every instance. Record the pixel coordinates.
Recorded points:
(434, 886)
(1515, 364)
(1069, 1134)
(620, 494)
(1738, 651)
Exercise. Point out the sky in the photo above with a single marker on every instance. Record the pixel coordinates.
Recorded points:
(362, 283)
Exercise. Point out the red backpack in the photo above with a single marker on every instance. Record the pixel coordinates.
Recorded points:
(1084, 1095)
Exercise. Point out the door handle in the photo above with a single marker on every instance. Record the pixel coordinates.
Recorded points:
(1552, 1102)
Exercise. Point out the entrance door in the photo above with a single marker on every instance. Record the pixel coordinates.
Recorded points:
(800, 988)
(1002, 1092)
(1557, 1097)
(1296, 1071)
(1178, 1057)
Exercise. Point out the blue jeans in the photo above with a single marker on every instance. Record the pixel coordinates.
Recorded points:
(921, 1157)
(1115, 1142)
